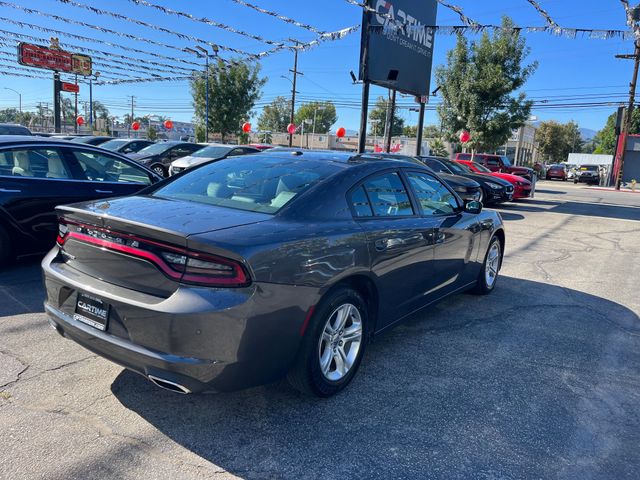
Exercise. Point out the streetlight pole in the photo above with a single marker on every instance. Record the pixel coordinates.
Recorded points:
(97, 74)
(203, 53)
(19, 98)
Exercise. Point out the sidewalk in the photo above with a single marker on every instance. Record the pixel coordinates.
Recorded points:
(612, 189)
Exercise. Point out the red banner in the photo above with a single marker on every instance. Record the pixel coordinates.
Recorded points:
(70, 87)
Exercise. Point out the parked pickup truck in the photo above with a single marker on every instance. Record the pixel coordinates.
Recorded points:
(500, 163)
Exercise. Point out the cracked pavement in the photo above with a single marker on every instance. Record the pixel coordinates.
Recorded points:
(541, 379)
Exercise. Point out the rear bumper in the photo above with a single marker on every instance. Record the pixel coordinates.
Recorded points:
(200, 338)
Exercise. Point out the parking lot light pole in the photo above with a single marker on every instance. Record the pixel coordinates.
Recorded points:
(202, 52)
(19, 98)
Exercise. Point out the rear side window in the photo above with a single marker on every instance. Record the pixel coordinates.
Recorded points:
(257, 184)
(388, 196)
(14, 130)
(464, 156)
(34, 162)
(360, 203)
(97, 167)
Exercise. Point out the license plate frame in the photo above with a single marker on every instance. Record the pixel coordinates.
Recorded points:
(92, 311)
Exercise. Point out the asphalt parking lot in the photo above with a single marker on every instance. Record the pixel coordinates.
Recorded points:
(541, 379)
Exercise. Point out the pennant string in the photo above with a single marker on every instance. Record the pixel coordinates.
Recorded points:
(276, 15)
(544, 14)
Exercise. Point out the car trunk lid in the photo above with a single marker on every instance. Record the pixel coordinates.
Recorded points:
(138, 242)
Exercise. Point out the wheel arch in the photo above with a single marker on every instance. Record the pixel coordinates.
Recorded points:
(366, 287)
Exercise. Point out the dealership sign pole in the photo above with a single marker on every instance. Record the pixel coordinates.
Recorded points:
(58, 60)
(396, 50)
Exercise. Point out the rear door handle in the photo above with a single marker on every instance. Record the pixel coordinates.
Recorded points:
(9, 190)
(103, 191)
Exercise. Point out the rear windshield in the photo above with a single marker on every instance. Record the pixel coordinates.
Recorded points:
(262, 185)
(592, 168)
(481, 168)
(113, 144)
(14, 130)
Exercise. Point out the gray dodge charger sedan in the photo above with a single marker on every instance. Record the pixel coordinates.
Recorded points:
(240, 272)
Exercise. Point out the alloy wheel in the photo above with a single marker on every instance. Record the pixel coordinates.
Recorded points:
(492, 265)
(340, 342)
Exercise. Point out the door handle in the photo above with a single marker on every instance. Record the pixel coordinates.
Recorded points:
(103, 191)
(9, 190)
(440, 237)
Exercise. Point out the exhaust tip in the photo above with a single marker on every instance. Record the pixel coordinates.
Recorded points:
(169, 385)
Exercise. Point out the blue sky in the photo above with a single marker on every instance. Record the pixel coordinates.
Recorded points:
(568, 69)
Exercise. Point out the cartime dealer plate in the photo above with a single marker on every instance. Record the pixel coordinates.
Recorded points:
(92, 311)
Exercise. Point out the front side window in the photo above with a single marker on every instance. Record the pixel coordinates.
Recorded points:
(433, 196)
(98, 167)
(34, 162)
(388, 196)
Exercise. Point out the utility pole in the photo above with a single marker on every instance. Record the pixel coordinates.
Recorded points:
(200, 53)
(293, 89)
(629, 116)
(391, 107)
(130, 119)
(75, 120)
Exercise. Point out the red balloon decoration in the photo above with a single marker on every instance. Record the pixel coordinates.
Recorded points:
(80, 120)
(341, 132)
(168, 124)
(135, 126)
(291, 128)
(465, 136)
(246, 127)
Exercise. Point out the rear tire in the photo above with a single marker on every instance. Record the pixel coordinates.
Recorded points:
(6, 249)
(329, 357)
(488, 275)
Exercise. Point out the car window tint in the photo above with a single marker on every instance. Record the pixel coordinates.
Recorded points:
(433, 196)
(388, 196)
(360, 203)
(36, 162)
(493, 162)
(98, 167)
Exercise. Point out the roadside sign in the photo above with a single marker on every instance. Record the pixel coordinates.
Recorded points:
(70, 87)
(40, 56)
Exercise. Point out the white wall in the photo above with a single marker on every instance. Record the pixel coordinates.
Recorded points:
(589, 159)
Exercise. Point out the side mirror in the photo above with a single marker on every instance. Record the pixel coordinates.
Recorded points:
(473, 207)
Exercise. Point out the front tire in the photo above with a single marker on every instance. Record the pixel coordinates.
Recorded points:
(488, 275)
(333, 345)
(160, 170)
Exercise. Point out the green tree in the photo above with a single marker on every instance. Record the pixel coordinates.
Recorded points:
(100, 110)
(276, 116)
(556, 140)
(410, 131)
(233, 91)
(152, 133)
(378, 118)
(478, 87)
(324, 113)
(67, 110)
(438, 148)
(606, 139)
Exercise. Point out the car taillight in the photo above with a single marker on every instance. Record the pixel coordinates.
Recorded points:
(179, 264)
(201, 269)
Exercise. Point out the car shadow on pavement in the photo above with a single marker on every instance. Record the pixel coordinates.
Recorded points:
(527, 382)
(21, 289)
(550, 192)
(576, 208)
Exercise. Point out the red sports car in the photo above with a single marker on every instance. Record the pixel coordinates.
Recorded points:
(522, 188)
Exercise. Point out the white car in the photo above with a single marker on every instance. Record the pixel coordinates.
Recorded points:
(213, 152)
